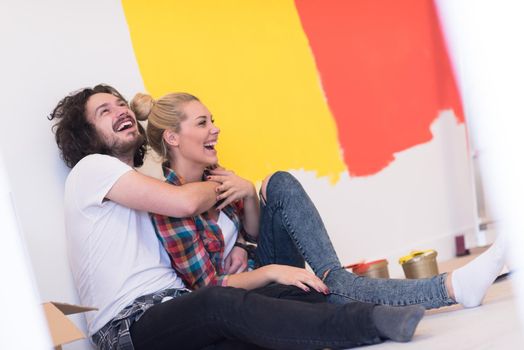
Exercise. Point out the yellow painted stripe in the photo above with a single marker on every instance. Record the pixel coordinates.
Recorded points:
(251, 65)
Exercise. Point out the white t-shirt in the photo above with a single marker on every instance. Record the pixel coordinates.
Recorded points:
(114, 253)
(229, 232)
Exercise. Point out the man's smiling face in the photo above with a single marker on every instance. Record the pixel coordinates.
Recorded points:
(115, 124)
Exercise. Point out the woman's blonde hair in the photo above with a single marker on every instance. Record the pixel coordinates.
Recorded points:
(166, 113)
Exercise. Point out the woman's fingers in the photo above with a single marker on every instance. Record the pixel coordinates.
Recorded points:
(226, 194)
(302, 286)
(225, 203)
(221, 171)
(231, 187)
(224, 185)
(217, 178)
(301, 278)
(314, 282)
(318, 285)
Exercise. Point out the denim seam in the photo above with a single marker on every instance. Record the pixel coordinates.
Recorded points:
(291, 232)
(438, 298)
(444, 292)
(377, 300)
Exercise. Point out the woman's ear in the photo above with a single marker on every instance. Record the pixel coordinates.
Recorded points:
(170, 137)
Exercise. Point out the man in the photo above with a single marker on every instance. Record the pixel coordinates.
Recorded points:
(120, 267)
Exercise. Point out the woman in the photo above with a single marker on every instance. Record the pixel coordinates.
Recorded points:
(288, 229)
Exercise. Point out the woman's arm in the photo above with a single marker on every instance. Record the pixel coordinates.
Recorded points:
(251, 217)
(282, 274)
(141, 192)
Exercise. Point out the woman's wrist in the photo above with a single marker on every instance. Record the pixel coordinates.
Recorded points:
(252, 193)
(269, 272)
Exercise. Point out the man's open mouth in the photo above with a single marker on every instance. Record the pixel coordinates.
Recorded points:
(123, 124)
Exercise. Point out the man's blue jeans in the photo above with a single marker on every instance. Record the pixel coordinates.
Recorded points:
(292, 232)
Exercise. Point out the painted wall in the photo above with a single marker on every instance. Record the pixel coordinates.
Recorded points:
(256, 66)
(364, 111)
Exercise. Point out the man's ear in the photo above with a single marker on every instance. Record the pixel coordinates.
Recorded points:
(170, 137)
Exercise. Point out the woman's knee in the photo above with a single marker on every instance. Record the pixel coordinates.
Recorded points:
(280, 179)
(263, 187)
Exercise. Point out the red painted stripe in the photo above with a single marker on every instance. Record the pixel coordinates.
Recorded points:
(385, 72)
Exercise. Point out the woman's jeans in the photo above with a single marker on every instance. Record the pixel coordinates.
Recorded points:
(233, 318)
(292, 232)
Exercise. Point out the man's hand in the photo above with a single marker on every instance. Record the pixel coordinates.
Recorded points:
(236, 261)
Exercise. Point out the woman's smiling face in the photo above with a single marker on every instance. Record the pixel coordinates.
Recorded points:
(196, 139)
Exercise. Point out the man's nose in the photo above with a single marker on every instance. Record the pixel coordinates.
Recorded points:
(122, 111)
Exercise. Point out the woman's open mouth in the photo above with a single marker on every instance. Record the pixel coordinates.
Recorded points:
(210, 145)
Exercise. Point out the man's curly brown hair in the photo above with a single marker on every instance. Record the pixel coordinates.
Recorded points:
(75, 136)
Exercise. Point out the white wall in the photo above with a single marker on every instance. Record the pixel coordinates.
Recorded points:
(48, 49)
(18, 282)
(52, 47)
(486, 45)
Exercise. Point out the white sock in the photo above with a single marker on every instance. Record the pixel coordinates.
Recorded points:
(471, 281)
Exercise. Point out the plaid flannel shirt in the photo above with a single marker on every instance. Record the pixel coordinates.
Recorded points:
(195, 244)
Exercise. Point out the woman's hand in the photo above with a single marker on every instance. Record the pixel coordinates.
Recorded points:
(295, 276)
(232, 187)
(236, 261)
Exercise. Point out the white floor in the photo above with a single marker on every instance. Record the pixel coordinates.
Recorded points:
(494, 325)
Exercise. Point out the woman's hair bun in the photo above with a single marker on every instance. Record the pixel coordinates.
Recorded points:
(141, 105)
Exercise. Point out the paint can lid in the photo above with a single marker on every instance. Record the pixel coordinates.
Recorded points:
(417, 255)
(363, 267)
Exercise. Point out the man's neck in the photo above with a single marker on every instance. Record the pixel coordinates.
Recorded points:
(128, 159)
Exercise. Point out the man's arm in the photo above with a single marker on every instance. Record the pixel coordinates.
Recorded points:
(142, 192)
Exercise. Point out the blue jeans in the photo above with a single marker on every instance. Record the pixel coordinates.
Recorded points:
(292, 232)
(232, 318)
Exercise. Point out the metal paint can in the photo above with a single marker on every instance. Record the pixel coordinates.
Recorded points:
(420, 264)
(373, 269)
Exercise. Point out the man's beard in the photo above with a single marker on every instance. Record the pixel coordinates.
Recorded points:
(124, 149)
